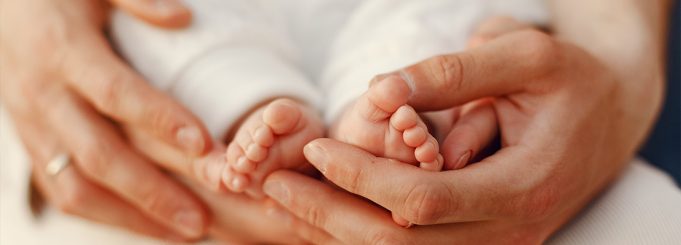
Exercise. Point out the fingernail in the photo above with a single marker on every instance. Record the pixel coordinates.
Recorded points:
(238, 183)
(189, 222)
(463, 159)
(190, 139)
(277, 191)
(378, 78)
(316, 155)
(409, 80)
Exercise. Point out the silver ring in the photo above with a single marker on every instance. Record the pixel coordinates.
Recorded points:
(58, 164)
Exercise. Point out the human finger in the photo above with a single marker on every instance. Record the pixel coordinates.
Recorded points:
(164, 13)
(103, 157)
(355, 214)
(353, 220)
(475, 128)
(73, 194)
(508, 64)
(423, 197)
(117, 91)
(204, 169)
(304, 230)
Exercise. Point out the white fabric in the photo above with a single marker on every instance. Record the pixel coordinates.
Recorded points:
(641, 207)
(385, 35)
(239, 53)
(235, 55)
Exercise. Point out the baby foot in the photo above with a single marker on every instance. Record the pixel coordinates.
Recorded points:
(271, 138)
(380, 122)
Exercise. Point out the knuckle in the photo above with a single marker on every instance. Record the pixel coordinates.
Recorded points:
(29, 98)
(447, 72)
(109, 94)
(152, 197)
(355, 180)
(427, 203)
(316, 216)
(155, 201)
(94, 158)
(162, 118)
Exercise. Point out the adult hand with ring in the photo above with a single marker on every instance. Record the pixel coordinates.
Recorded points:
(65, 90)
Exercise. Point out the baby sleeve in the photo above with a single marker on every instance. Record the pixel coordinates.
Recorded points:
(235, 55)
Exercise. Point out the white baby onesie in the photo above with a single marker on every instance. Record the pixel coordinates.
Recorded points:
(381, 36)
(238, 53)
(235, 55)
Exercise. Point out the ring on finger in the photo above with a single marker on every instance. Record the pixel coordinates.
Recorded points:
(58, 164)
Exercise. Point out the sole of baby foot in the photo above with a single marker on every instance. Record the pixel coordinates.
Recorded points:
(381, 123)
(271, 138)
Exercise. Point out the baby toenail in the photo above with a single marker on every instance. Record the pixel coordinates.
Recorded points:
(262, 136)
(238, 183)
(251, 149)
(241, 162)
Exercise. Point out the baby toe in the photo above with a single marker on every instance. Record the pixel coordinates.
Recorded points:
(282, 116)
(244, 165)
(415, 136)
(233, 152)
(263, 136)
(256, 152)
(239, 183)
(428, 151)
(404, 118)
(235, 182)
(389, 94)
(434, 165)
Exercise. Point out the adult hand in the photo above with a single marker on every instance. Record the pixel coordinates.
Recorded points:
(164, 13)
(565, 134)
(235, 218)
(63, 86)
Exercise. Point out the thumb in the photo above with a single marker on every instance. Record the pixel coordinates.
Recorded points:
(163, 13)
(505, 65)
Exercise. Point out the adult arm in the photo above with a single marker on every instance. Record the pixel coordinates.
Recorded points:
(63, 86)
(629, 37)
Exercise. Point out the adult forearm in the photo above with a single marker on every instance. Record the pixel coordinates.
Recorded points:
(620, 33)
(630, 38)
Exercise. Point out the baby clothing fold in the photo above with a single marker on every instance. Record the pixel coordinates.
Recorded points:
(238, 54)
(235, 55)
(381, 36)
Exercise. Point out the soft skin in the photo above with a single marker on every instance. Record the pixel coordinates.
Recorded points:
(63, 87)
(66, 90)
(570, 116)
